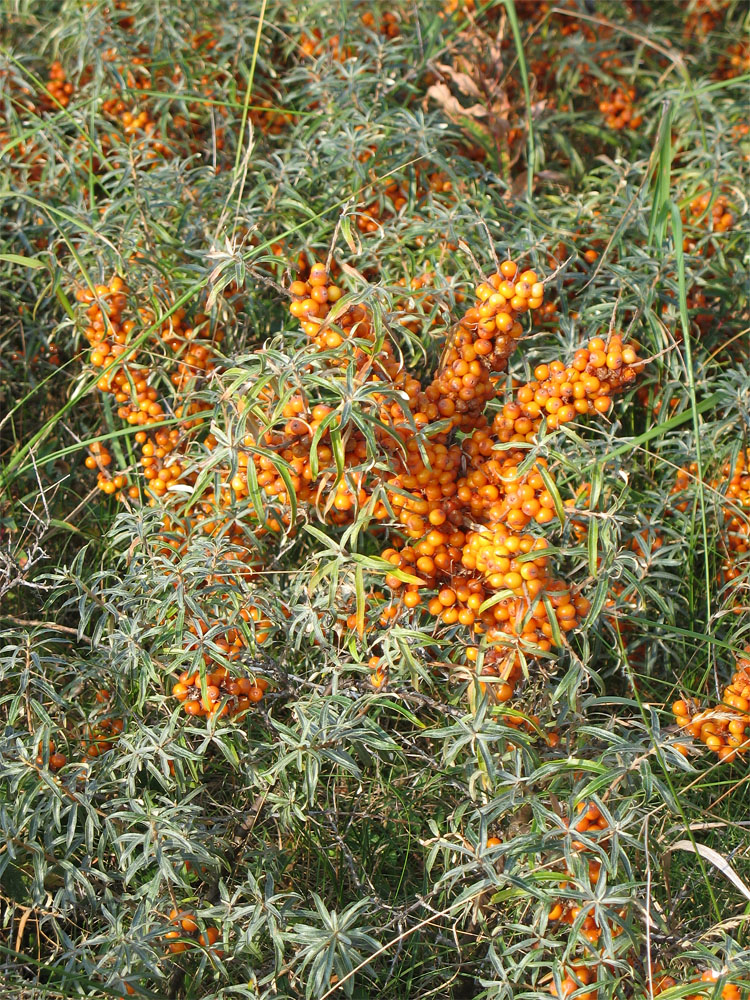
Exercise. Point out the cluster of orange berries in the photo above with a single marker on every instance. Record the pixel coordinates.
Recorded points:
(267, 117)
(576, 978)
(394, 195)
(102, 736)
(186, 933)
(735, 61)
(55, 759)
(105, 331)
(224, 694)
(461, 506)
(388, 26)
(735, 480)
(700, 308)
(163, 463)
(561, 393)
(707, 980)
(579, 976)
(706, 212)
(617, 104)
(99, 735)
(184, 936)
(138, 127)
(703, 17)
(131, 384)
(55, 93)
(724, 727)
(618, 109)
(102, 732)
(99, 458)
(590, 820)
(263, 113)
(313, 45)
(137, 121)
(462, 525)
(479, 561)
(49, 353)
(129, 107)
(58, 89)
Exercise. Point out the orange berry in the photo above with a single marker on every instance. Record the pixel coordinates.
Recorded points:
(209, 937)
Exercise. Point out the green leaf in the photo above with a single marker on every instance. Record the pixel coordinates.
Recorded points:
(33, 263)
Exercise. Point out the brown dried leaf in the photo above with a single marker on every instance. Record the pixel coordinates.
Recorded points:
(440, 93)
(462, 80)
(717, 860)
(352, 272)
(518, 186)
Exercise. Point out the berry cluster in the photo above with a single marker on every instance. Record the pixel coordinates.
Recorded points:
(96, 737)
(186, 933)
(590, 821)
(724, 728)
(136, 128)
(224, 694)
(703, 17)
(314, 45)
(579, 975)
(706, 211)
(58, 89)
(736, 537)
(735, 61)
(618, 109)
(576, 979)
(133, 385)
(139, 130)
(460, 505)
(388, 26)
(99, 458)
(390, 196)
(27, 155)
(707, 988)
(55, 759)
(102, 735)
(545, 51)
(190, 358)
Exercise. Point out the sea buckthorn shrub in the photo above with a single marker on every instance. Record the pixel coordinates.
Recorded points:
(373, 523)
